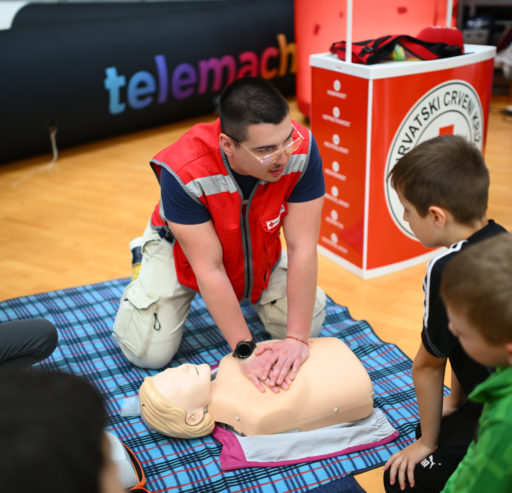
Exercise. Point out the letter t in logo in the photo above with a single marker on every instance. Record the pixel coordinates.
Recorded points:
(112, 83)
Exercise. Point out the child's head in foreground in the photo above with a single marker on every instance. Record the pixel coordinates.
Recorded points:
(52, 435)
(477, 291)
(446, 175)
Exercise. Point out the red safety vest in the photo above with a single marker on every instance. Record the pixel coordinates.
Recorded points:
(248, 230)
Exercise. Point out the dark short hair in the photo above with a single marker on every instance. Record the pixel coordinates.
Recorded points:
(52, 433)
(446, 171)
(247, 101)
(477, 283)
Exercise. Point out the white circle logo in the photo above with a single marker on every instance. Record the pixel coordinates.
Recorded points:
(450, 108)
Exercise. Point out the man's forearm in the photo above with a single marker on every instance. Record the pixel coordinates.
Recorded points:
(222, 303)
(301, 290)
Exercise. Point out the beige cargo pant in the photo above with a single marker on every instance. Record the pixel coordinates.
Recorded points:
(154, 306)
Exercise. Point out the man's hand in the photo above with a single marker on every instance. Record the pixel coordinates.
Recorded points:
(257, 367)
(403, 463)
(286, 357)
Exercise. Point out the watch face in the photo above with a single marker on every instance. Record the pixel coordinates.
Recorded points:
(244, 349)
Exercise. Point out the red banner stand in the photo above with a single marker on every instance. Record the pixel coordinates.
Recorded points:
(364, 119)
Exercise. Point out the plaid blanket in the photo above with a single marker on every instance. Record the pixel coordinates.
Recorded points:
(84, 317)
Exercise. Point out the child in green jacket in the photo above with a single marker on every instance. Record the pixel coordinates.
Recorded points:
(477, 291)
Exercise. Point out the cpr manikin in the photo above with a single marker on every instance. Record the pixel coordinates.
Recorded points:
(331, 387)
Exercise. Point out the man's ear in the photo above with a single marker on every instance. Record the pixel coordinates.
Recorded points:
(226, 144)
(194, 416)
(439, 215)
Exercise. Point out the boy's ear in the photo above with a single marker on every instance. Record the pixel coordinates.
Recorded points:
(438, 215)
(508, 347)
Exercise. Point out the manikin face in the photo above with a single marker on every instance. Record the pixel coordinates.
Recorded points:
(186, 386)
(473, 343)
(262, 139)
(423, 227)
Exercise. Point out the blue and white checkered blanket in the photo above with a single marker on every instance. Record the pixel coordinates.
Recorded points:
(84, 317)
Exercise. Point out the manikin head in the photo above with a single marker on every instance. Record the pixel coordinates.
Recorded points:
(173, 401)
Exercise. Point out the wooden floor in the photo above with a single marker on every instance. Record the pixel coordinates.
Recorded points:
(69, 224)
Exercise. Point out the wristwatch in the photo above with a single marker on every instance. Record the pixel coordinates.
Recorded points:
(244, 349)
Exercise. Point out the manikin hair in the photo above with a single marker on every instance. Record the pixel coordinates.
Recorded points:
(247, 101)
(166, 418)
(477, 283)
(446, 171)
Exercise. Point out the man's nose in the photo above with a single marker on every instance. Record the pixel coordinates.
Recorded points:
(284, 156)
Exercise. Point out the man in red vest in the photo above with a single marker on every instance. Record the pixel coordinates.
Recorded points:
(227, 188)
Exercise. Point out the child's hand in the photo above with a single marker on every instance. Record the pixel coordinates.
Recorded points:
(403, 463)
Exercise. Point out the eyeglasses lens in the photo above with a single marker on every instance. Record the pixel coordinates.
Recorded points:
(288, 149)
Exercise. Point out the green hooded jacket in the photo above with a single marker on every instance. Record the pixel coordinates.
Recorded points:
(487, 466)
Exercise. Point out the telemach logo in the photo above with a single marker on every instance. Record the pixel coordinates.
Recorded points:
(143, 88)
(449, 108)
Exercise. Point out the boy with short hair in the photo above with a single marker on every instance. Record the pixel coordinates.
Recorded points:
(477, 291)
(443, 185)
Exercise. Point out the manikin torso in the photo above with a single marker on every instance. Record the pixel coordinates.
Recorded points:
(331, 387)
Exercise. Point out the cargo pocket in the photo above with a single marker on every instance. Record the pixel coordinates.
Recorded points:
(137, 320)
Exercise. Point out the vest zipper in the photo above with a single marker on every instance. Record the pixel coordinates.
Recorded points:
(246, 238)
